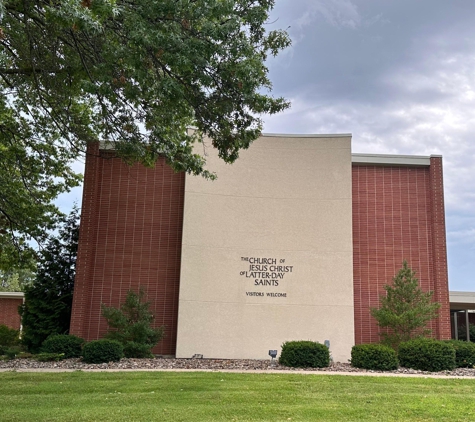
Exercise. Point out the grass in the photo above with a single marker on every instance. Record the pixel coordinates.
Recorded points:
(196, 396)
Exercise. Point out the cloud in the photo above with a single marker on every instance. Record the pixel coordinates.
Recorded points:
(338, 13)
(397, 75)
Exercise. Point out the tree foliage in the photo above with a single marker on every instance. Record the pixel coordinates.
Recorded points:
(48, 301)
(16, 279)
(405, 310)
(34, 169)
(131, 325)
(135, 73)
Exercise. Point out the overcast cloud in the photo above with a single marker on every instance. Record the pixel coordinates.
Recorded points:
(398, 75)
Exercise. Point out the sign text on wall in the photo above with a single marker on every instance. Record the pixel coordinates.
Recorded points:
(266, 272)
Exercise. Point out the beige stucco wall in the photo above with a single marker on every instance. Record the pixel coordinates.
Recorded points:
(286, 199)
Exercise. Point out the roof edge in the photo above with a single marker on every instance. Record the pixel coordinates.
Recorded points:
(387, 159)
(11, 295)
(306, 135)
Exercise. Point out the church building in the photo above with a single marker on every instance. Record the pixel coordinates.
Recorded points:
(294, 241)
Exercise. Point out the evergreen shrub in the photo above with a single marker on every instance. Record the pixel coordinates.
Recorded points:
(405, 309)
(131, 325)
(137, 350)
(427, 355)
(102, 351)
(374, 356)
(69, 345)
(464, 353)
(304, 354)
(8, 337)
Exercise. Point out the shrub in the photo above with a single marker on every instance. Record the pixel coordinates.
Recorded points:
(131, 325)
(464, 353)
(12, 352)
(69, 345)
(8, 337)
(427, 355)
(304, 354)
(137, 350)
(374, 356)
(49, 357)
(102, 351)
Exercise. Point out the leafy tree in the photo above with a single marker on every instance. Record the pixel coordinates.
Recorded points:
(34, 169)
(131, 325)
(48, 301)
(405, 310)
(16, 279)
(134, 73)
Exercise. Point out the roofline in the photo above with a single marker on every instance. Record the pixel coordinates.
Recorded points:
(460, 301)
(388, 159)
(307, 135)
(356, 158)
(11, 295)
(455, 294)
(298, 135)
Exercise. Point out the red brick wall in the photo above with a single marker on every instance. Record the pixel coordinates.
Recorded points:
(9, 315)
(131, 230)
(398, 213)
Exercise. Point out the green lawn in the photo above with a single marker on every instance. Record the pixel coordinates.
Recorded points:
(197, 396)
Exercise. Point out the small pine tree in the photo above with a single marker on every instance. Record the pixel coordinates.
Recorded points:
(48, 300)
(131, 325)
(405, 309)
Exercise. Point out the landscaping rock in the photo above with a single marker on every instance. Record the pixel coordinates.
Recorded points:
(204, 364)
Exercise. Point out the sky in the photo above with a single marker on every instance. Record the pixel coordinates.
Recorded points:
(400, 77)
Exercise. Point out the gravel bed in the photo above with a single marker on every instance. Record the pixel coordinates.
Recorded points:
(205, 364)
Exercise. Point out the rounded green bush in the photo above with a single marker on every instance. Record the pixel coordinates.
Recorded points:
(133, 349)
(70, 345)
(102, 351)
(427, 355)
(464, 353)
(304, 354)
(374, 356)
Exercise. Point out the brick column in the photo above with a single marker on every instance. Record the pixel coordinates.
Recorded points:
(440, 273)
(88, 242)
